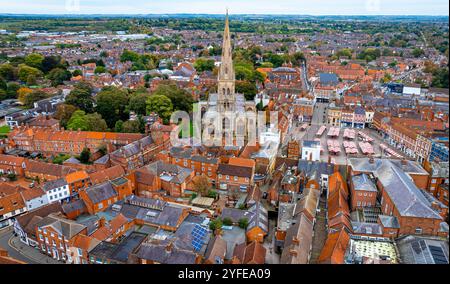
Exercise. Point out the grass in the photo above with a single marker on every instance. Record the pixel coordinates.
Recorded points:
(4, 129)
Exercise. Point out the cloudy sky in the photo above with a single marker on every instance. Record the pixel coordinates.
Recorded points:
(310, 7)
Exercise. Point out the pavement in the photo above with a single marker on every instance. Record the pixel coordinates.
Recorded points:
(21, 251)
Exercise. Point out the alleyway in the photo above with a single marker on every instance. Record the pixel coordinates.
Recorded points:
(320, 232)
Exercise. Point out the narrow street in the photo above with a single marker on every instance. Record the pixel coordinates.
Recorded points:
(320, 232)
(21, 251)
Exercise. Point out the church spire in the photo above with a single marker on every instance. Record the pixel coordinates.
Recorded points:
(226, 71)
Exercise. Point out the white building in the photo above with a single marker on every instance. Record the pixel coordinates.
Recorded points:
(311, 150)
(413, 89)
(34, 198)
(56, 190)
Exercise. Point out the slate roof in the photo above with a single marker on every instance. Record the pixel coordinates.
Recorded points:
(233, 170)
(299, 240)
(101, 192)
(389, 221)
(178, 174)
(65, 227)
(259, 217)
(363, 182)
(25, 219)
(364, 165)
(157, 252)
(405, 195)
(314, 169)
(328, 79)
(366, 228)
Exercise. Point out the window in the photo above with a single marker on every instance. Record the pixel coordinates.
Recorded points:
(227, 177)
(418, 231)
(41, 237)
(100, 205)
(235, 178)
(220, 176)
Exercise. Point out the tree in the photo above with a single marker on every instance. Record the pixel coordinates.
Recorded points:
(227, 221)
(100, 70)
(243, 223)
(81, 97)
(85, 156)
(417, 52)
(440, 78)
(87, 122)
(161, 105)
(31, 98)
(180, 99)
(247, 89)
(201, 185)
(58, 76)
(63, 113)
(22, 93)
(131, 126)
(11, 91)
(111, 104)
(34, 60)
(204, 64)
(118, 127)
(78, 121)
(77, 72)
(51, 62)
(8, 72)
(137, 103)
(128, 55)
(95, 122)
(215, 225)
(25, 71)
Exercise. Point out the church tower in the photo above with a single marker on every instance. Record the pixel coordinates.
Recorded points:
(226, 77)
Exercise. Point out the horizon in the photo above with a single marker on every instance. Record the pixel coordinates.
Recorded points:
(438, 8)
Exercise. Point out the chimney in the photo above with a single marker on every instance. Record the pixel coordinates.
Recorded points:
(435, 205)
(404, 162)
(169, 248)
(101, 222)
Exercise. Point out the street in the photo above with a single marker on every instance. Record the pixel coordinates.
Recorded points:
(21, 251)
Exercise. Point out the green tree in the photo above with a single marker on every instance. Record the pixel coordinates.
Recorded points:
(25, 71)
(100, 70)
(243, 223)
(81, 97)
(34, 60)
(85, 156)
(204, 64)
(58, 75)
(227, 221)
(8, 72)
(111, 104)
(180, 99)
(246, 88)
(95, 122)
(215, 224)
(131, 126)
(118, 127)
(78, 121)
(33, 97)
(51, 62)
(417, 52)
(161, 105)
(77, 72)
(63, 113)
(137, 103)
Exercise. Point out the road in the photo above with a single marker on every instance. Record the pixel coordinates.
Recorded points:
(21, 251)
(319, 114)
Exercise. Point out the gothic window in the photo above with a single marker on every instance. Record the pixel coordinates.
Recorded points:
(228, 91)
(223, 91)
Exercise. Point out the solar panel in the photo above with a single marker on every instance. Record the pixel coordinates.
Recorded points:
(438, 255)
(198, 236)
